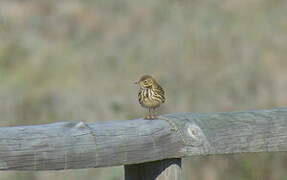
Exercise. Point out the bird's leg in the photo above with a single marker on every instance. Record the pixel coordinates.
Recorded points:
(149, 116)
(153, 116)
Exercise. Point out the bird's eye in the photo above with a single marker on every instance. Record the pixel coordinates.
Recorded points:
(145, 81)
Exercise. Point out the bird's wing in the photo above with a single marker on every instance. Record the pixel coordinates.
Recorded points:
(140, 96)
(159, 90)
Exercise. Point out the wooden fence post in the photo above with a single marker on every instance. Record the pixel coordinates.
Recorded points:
(167, 169)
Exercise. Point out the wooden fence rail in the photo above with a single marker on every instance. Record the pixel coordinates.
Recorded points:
(134, 143)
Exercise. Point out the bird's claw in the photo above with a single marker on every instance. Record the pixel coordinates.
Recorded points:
(150, 117)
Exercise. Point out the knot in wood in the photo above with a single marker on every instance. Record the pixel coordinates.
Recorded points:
(193, 131)
(80, 125)
(194, 135)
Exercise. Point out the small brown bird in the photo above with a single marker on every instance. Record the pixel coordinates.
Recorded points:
(151, 94)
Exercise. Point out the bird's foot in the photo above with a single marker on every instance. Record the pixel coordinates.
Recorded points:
(147, 117)
(150, 117)
(153, 117)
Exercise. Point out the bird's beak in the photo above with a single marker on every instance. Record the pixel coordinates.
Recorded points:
(136, 82)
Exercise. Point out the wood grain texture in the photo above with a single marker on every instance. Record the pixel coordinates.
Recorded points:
(76, 145)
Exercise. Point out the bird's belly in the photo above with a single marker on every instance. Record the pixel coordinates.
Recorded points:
(150, 103)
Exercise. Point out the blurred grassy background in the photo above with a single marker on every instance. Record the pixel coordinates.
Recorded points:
(73, 60)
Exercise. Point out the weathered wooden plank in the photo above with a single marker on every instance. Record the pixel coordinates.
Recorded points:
(70, 145)
(75, 145)
(167, 169)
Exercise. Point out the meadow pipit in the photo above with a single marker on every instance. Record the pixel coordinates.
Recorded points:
(151, 94)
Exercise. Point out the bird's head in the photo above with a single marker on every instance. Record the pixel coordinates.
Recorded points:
(146, 81)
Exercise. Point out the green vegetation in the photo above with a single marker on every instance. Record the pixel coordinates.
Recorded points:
(73, 60)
